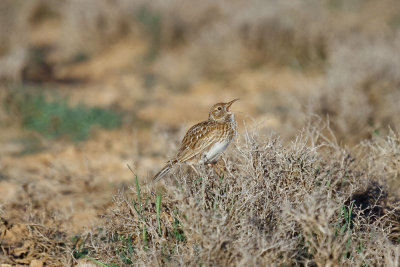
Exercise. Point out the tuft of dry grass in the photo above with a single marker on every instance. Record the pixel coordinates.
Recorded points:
(307, 202)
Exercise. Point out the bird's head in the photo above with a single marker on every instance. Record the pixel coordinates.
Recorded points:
(221, 112)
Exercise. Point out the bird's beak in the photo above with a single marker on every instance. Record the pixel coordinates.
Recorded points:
(229, 104)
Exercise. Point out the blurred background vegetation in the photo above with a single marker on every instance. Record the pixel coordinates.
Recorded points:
(286, 60)
(88, 86)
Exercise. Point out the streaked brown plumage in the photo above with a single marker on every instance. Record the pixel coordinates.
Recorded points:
(205, 141)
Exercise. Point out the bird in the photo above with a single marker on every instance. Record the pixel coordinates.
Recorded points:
(204, 142)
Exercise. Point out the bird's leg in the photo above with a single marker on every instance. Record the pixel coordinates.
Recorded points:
(217, 170)
(191, 165)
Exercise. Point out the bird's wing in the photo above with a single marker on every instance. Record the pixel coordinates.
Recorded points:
(198, 139)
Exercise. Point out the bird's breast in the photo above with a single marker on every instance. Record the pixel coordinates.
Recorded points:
(214, 151)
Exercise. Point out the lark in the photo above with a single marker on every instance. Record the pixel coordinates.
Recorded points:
(205, 141)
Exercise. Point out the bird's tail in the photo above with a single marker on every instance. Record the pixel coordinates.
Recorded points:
(164, 170)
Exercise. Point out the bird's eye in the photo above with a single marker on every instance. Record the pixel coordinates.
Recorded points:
(219, 108)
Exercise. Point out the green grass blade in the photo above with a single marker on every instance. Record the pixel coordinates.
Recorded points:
(140, 209)
(144, 235)
(158, 208)
(97, 262)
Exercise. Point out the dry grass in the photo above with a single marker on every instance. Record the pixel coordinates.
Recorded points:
(25, 244)
(309, 202)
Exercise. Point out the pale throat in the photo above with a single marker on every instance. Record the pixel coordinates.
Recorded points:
(232, 117)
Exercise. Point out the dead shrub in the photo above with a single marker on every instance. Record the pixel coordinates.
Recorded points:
(297, 203)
